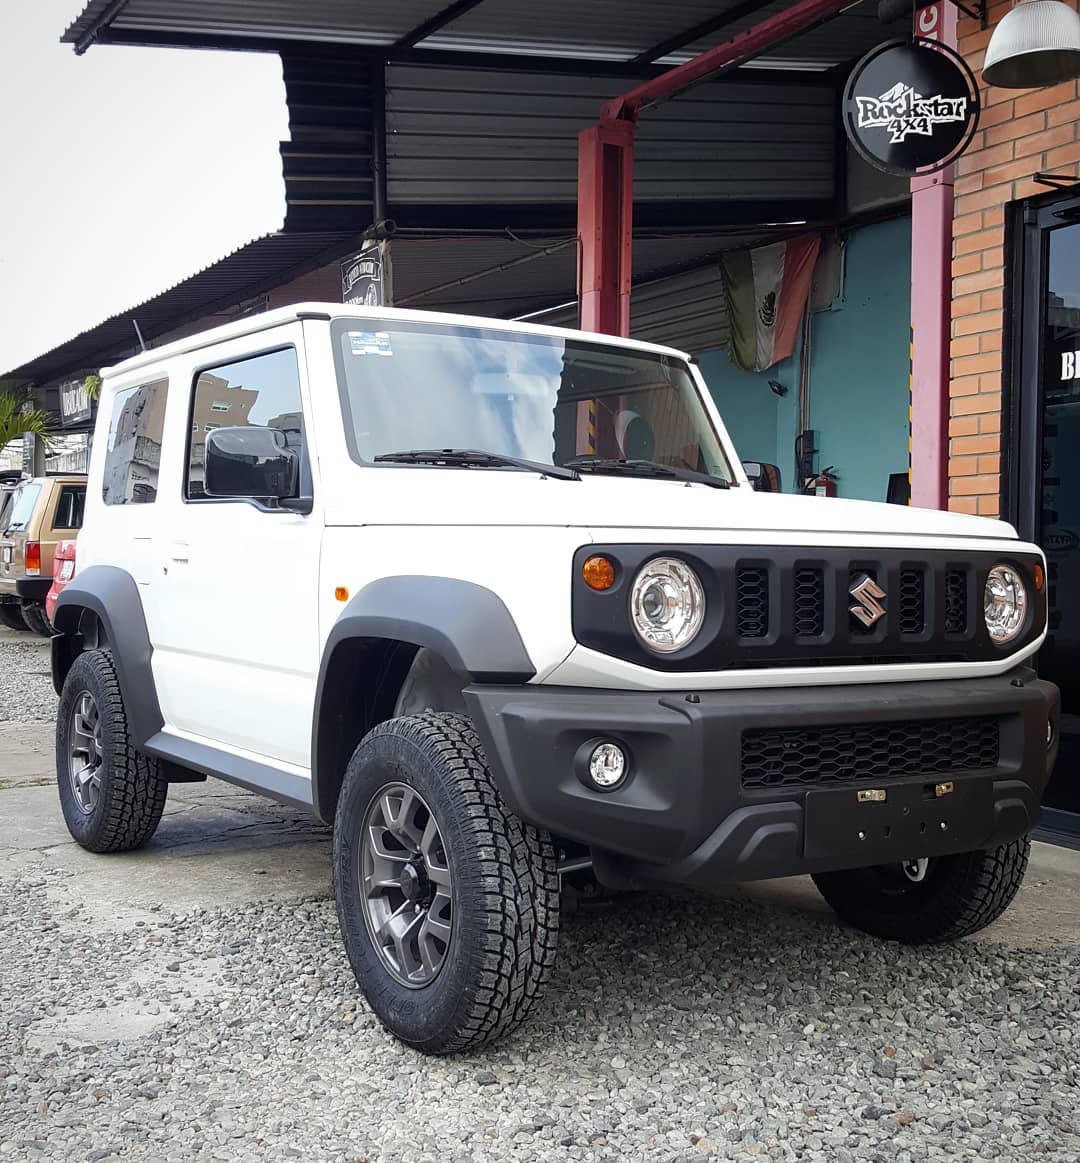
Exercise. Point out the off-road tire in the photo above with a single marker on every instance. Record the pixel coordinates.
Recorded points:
(960, 895)
(11, 616)
(505, 888)
(33, 615)
(132, 790)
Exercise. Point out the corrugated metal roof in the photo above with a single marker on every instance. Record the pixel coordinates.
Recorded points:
(246, 272)
(318, 20)
(498, 277)
(573, 29)
(475, 275)
(479, 136)
(685, 311)
(327, 161)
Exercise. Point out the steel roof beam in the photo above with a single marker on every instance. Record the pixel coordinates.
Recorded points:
(744, 46)
(692, 35)
(440, 20)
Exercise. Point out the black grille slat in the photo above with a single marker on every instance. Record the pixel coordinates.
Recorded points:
(752, 602)
(956, 601)
(912, 601)
(815, 756)
(809, 603)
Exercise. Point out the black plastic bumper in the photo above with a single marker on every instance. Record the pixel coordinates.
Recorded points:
(35, 589)
(683, 814)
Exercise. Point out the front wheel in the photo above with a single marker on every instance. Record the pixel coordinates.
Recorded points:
(111, 794)
(448, 903)
(925, 902)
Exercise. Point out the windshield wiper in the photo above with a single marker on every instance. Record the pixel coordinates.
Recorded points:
(649, 468)
(475, 458)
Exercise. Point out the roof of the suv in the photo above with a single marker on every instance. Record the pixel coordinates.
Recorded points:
(280, 315)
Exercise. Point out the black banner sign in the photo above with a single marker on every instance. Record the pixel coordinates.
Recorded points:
(911, 107)
(365, 277)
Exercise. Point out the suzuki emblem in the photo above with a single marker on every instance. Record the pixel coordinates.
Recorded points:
(867, 594)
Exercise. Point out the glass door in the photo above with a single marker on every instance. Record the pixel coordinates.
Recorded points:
(1043, 476)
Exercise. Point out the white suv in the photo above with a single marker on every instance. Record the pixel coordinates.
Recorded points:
(500, 602)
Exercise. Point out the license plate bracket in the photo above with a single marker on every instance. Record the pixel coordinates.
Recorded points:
(910, 822)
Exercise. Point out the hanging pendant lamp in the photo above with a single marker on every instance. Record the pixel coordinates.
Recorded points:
(1036, 44)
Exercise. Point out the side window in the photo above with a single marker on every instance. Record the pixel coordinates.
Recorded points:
(69, 507)
(262, 389)
(133, 452)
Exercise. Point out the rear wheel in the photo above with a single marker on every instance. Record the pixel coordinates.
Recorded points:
(33, 615)
(923, 902)
(11, 616)
(111, 794)
(448, 903)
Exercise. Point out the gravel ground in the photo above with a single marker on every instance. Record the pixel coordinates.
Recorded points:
(676, 1029)
(26, 693)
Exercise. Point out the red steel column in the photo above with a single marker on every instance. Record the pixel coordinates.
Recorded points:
(931, 305)
(605, 225)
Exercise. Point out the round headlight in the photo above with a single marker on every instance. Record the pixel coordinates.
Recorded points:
(1004, 603)
(667, 604)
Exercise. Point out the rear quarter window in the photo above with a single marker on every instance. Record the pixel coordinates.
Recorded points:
(69, 507)
(133, 450)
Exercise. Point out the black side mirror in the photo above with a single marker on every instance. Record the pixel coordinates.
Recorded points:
(251, 462)
(764, 478)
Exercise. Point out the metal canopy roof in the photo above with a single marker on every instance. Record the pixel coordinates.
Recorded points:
(640, 31)
(501, 277)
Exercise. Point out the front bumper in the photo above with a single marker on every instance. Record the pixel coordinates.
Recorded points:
(684, 815)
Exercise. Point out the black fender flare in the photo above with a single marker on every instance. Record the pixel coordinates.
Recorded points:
(464, 622)
(112, 595)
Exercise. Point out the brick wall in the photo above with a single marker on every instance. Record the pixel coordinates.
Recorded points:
(1021, 132)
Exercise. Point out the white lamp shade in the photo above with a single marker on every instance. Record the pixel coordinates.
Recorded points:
(1036, 44)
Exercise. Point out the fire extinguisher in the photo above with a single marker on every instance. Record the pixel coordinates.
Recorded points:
(823, 485)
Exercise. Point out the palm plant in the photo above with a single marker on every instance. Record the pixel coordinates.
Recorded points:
(15, 422)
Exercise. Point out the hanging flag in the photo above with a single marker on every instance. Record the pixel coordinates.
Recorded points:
(765, 291)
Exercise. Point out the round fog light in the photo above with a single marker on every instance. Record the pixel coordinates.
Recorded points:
(607, 766)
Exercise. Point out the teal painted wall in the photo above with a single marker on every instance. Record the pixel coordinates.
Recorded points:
(858, 375)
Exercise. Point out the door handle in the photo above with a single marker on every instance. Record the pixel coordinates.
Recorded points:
(179, 551)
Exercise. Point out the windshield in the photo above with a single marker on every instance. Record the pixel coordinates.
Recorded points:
(22, 508)
(536, 397)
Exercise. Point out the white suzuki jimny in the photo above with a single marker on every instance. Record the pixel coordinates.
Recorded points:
(500, 602)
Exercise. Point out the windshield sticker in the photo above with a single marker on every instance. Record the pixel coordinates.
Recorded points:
(369, 342)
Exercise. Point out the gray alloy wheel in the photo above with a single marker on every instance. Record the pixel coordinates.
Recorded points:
(84, 752)
(406, 885)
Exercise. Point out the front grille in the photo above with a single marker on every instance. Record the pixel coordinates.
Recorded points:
(809, 600)
(752, 602)
(791, 606)
(912, 601)
(813, 756)
(956, 603)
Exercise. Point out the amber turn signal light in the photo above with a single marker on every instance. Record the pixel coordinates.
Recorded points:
(341, 593)
(599, 573)
(1040, 576)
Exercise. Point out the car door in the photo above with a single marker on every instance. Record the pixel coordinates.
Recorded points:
(235, 618)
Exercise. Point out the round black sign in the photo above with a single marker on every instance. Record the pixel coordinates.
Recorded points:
(910, 107)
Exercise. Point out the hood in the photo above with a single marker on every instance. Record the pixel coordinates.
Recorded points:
(457, 496)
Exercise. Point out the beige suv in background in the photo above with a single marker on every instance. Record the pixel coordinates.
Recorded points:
(43, 512)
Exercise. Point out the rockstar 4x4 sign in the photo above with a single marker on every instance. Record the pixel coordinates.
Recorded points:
(910, 108)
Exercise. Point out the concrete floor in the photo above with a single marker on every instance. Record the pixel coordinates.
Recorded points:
(218, 846)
